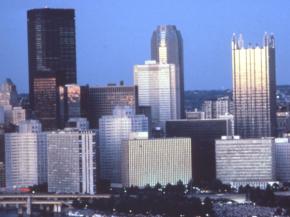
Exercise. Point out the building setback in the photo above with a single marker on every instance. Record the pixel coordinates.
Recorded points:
(152, 161)
(52, 60)
(254, 88)
(203, 134)
(245, 161)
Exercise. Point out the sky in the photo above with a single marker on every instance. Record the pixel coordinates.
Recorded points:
(114, 35)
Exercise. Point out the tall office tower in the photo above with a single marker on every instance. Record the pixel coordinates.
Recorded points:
(26, 156)
(157, 89)
(112, 130)
(254, 88)
(203, 134)
(245, 161)
(100, 101)
(2, 155)
(72, 164)
(152, 161)
(52, 60)
(69, 102)
(167, 48)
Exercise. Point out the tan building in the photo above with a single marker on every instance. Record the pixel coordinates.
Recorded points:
(152, 161)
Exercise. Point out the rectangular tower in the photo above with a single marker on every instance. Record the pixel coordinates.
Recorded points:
(52, 59)
(254, 88)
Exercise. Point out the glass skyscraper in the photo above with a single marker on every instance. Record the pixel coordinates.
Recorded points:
(167, 48)
(52, 59)
(254, 88)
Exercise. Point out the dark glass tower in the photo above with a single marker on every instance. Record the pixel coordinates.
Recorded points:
(167, 47)
(52, 60)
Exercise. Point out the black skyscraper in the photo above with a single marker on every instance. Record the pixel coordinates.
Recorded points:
(52, 60)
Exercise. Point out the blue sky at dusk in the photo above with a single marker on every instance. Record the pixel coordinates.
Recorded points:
(113, 35)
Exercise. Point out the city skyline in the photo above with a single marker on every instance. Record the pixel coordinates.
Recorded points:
(206, 46)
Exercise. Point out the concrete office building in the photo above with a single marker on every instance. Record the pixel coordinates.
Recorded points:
(245, 161)
(167, 48)
(203, 134)
(72, 161)
(157, 89)
(152, 161)
(112, 130)
(26, 156)
(254, 88)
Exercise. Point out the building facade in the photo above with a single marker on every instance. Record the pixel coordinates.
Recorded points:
(26, 156)
(245, 161)
(100, 101)
(203, 134)
(72, 161)
(52, 60)
(157, 89)
(112, 130)
(152, 161)
(282, 150)
(167, 48)
(254, 88)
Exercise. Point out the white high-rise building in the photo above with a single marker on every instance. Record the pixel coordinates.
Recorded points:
(72, 161)
(112, 130)
(26, 156)
(157, 87)
(152, 161)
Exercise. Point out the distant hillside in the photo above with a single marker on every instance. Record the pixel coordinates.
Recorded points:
(195, 98)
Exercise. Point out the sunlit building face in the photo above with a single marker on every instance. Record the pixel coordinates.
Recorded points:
(254, 88)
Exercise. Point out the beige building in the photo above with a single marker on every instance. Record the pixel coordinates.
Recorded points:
(152, 161)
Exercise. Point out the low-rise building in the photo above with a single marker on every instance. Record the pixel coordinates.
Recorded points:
(152, 161)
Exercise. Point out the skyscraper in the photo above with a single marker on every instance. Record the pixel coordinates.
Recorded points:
(52, 59)
(112, 130)
(157, 89)
(167, 47)
(254, 88)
